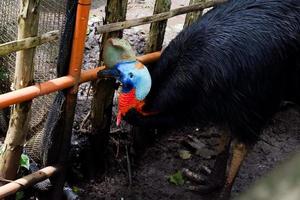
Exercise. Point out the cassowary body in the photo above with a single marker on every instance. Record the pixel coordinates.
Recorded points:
(232, 67)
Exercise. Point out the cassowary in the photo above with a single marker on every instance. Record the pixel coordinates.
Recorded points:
(233, 67)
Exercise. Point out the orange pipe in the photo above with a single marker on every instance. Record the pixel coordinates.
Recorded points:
(90, 75)
(39, 89)
(149, 58)
(78, 44)
(28, 93)
(81, 25)
(85, 2)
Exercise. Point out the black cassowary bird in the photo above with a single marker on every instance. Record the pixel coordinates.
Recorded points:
(232, 67)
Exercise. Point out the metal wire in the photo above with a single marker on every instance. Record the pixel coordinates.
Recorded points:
(52, 17)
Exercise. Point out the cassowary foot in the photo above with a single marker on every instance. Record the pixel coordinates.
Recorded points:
(207, 182)
(212, 181)
(221, 178)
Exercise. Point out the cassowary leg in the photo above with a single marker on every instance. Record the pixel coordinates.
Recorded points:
(218, 175)
(216, 179)
(239, 152)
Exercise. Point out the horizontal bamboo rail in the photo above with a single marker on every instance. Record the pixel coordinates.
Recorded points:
(26, 181)
(28, 43)
(158, 17)
(39, 89)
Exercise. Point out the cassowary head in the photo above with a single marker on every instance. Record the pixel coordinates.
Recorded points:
(134, 76)
(135, 85)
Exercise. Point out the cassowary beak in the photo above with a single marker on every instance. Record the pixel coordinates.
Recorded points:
(109, 73)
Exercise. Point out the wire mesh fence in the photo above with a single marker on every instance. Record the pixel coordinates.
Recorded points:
(52, 17)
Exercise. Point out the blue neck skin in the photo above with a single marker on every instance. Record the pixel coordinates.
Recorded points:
(133, 77)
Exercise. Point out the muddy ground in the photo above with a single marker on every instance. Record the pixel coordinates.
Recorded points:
(150, 171)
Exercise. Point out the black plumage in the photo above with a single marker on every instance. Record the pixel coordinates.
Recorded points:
(232, 67)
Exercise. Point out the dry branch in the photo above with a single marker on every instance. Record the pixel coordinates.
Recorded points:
(28, 43)
(27, 181)
(158, 17)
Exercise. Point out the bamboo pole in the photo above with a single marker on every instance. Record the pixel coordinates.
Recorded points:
(158, 17)
(193, 16)
(26, 181)
(18, 125)
(157, 29)
(104, 91)
(28, 43)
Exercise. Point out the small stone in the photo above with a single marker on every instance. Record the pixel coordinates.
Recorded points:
(184, 154)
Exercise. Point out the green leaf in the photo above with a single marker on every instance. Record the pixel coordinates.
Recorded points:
(24, 161)
(75, 189)
(176, 178)
(19, 195)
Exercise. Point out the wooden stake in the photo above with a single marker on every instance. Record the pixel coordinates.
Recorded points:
(20, 114)
(104, 89)
(157, 29)
(193, 16)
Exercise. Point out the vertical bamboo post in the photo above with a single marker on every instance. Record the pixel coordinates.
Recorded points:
(104, 89)
(157, 29)
(192, 16)
(20, 113)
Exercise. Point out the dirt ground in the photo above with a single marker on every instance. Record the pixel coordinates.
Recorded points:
(150, 172)
(161, 159)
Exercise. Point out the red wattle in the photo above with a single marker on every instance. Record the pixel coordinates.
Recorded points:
(126, 102)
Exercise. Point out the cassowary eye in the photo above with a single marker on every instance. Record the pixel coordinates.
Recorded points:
(130, 75)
